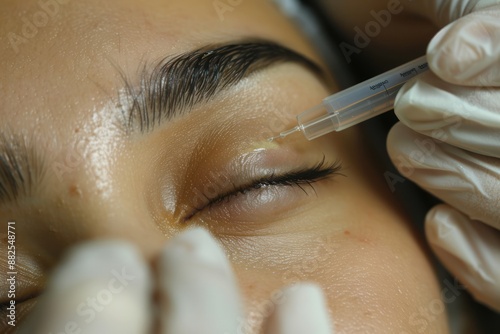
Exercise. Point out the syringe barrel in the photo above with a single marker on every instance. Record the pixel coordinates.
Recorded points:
(372, 97)
(360, 102)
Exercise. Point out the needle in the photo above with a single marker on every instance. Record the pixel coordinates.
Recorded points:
(285, 133)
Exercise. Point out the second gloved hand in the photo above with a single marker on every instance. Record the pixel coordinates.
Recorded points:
(106, 287)
(448, 142)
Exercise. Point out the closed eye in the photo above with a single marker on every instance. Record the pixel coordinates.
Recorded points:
(295, 178)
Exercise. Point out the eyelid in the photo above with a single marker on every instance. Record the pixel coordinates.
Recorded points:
(297, 177)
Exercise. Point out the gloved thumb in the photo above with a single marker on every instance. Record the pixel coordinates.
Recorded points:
(469, 249)
(467, 52)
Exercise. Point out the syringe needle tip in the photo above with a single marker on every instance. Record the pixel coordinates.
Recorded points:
(273, 138)
(284, 134)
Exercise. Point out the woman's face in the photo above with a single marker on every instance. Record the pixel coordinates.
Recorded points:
(104, 135)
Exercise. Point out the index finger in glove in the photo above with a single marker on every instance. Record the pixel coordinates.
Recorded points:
(467, 52)
(199, 292)
(466, 117)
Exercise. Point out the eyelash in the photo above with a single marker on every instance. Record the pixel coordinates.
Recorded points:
(296, 178)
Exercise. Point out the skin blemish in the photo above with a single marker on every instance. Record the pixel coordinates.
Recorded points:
(358, 238)
(75, 191)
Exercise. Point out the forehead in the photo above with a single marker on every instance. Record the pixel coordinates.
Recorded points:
(60, 84)
(59, 59)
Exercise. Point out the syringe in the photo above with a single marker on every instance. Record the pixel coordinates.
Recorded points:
(357, 103)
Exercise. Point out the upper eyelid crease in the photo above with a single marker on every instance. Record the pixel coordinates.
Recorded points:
(176, 84)
(308, 176)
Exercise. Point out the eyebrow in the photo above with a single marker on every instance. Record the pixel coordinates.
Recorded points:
(20, 168)
(171, 89)
(176, 84)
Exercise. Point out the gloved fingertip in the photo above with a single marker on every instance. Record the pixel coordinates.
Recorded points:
(447, 54)
(469, 249)
(438, 225)
(195, 245)
(397, 131)
(466, 52)
(198, 289)
(97, 283)
(302, 310)
(92, 259)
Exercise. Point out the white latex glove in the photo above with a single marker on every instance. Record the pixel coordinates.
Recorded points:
(106, 287)
(449, 141)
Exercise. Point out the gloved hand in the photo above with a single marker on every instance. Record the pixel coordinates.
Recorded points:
(106, 287)
(448, 141)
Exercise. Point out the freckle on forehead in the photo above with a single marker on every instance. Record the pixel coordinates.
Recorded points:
(74, 191)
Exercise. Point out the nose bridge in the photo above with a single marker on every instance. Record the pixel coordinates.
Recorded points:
(99, 189)
(92, 214)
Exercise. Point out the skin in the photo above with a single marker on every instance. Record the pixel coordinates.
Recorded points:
(349, 237)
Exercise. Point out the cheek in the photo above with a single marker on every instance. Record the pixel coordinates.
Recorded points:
(381, 287)
(374, 283)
